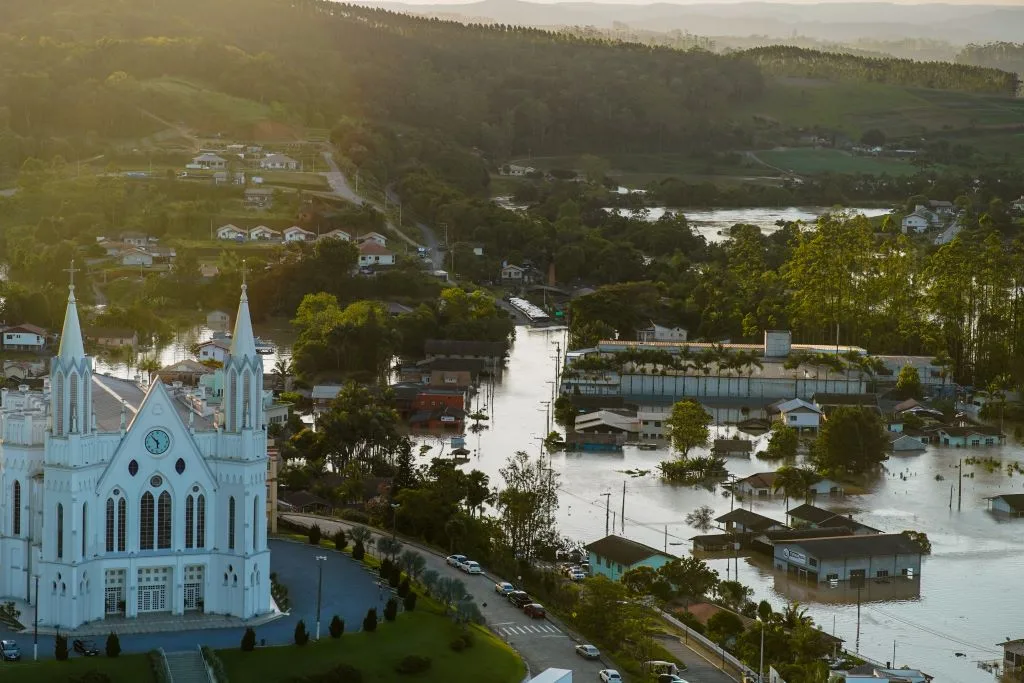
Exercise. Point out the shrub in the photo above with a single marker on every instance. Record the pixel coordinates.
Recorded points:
(248, 640)
(395, 576)
(391, 609)
(410, 601)
(403, 588)
(156, 666)
(60, 648)
(220, 674)
(385, 568)
(314, 534)
(370, 620)
(351, 515)
(279, 592)
(301, 634)
(457, 644)
(337, 627)
(113, 645)
(413, 664)
(358, 551)
(340, 541)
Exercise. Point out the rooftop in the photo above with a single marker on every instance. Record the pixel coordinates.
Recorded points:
(839, 547)
(810, 513)
(623, 550)
(760, 480)
(749, 519)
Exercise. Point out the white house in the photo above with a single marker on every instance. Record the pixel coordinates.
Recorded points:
(658, 332)
(799, 414)
(147, 506)
(905, 443)
(760, 485)
(136, 257)
(373, 237)
(297, 234)
(512, 273)
(24, 337)
(262, 232)
(230, 232)
(1018, 205)
(517, 170)
(215, 349)
(279, 162)
(373, 254)
(336, 235)
(209, 160)
(136, 239)
(920, 220)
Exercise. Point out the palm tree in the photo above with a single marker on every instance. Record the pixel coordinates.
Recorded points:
(700, 365)
(794, 615)
(283, 371)
(360, 534)
(149, 365)
(430, 580)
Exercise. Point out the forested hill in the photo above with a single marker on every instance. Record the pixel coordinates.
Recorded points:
(80, 67)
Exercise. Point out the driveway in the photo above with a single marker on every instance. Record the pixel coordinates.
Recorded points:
(348, 591)
(543, 643)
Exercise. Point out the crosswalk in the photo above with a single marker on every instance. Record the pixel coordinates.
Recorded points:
(527, 629)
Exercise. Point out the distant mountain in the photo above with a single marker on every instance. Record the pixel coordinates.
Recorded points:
(840, 21)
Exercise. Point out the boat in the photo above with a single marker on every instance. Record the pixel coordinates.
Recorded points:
(264, 347)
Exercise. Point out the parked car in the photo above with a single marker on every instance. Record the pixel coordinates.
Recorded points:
(471, 567)
(577, 574)
(588, 652)
(534, 610)
(455, 560)
(658, 666)
(670, 678)
(503, 588)
(85, 648)
(609, 676)
(9, 651)
(519, 598)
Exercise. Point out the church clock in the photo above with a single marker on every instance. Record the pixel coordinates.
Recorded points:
(157, 442)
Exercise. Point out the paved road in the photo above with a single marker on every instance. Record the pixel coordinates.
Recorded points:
(698, 669)
(541, 642)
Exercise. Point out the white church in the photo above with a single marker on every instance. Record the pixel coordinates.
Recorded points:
(120, 501)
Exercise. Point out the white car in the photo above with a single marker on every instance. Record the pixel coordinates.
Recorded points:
(471, 567)
(503, 588)
(455, 560)
(609, 676)
(577, 575)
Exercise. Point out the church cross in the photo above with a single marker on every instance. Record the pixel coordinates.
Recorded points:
(244, 272)
(71, 271)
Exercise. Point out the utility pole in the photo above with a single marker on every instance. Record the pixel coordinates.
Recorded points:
(893, 654)
(622, 517)
(960, 486)
(856, 648)
(666, 538)
(607, 510)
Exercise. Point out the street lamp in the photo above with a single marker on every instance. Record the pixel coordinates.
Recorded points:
(760, 666)
(320, 559)
(394, 519)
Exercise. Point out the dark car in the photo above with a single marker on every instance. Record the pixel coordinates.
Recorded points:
(534, 610)
(9, 651)
(85, 648)
(519, 598)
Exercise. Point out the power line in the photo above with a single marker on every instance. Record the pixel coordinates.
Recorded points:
(931, 631)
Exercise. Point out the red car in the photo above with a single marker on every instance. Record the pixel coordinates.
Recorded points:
(534, 610)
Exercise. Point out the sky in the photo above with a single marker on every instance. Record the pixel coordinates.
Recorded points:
(988, 3)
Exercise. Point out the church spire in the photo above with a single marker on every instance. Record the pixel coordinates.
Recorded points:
(243, 343)
(71, 347)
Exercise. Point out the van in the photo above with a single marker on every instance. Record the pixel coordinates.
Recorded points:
(658, 666)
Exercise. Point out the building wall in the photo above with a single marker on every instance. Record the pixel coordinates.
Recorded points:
(23, 339)
(670, 388)
(426, 401)
(841, 569)
(614, 571)
(802, 419)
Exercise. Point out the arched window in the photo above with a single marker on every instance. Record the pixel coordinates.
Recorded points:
(16, 512)
(231, 523)
(246, 421)
(73, 402)
(111, 529)
(146, 519)
(60, 531)
(255, 523)
(122, 524)
(85, 512)
(201, 522)
(231, 406)
(163, 517)
(189, 520)
(58, 404)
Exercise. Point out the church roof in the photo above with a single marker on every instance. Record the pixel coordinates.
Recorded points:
(243, 343)
(71, 347)
(107, 397)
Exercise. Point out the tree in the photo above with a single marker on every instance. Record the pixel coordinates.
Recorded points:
(283, 372)
(113, 645)
(339, 539)
(336, 627)
(782, 443)
(702, 518)
(409, 602)
(764, 611)
(249, 640)
(301, 634)
(689, 577)
(734, 594)
(852, 441)
(388, 547)
(404, 587)
(794, 482)
(908, 383)
(687, 426)
(599, 612)
(873, 137)
(413, 563)
(645, 580)
(526, 506)
(724, 627)
(60, 648)
(370, 620)
(314, 534)
(358, 551)
(391, 609)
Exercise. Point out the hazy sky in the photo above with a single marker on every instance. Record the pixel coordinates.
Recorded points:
(1001, 3)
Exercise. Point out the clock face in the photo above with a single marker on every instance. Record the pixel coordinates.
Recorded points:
(157, 442)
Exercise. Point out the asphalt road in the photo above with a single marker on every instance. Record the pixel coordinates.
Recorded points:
(541, 642)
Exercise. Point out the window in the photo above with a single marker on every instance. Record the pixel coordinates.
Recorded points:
(255, 523)
(60, 531)
(882, 573)
(122, 524)
(201, 522)
(85, 512)
(832, 577)
(179, 466)
(792, 418)
(163, 518)
(189, 520)
(230, 407)
(146, 518)
(813, 562)
(111, 530)
(231, 523)
(16, 512)
(58, 402)
(133, 468)
(73, 400)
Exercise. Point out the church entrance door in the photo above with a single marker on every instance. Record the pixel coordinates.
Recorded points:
(194, 587)
(153, 586)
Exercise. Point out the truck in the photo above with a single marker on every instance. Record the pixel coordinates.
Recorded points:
(553, 676)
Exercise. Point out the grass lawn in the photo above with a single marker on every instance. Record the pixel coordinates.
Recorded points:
(806, 160)
(296, 179)
(422, 632)
(127, 668)
(177, 99)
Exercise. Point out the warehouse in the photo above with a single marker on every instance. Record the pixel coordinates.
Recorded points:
(849, 558)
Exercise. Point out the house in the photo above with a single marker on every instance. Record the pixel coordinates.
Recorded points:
(297, 234)
(113, 337)
(373, 237)
(761, 485)
(813, 517)
(1011, 504)
(931, 375)
(23, 337)
(607, 422)
(186, 371)
(208, 270)
(438, 420)
(218, 319)
(744, 521)
(1018, 205)
(825, 487)
(230, 232)
(136, 257)
(737, 448)
(849, 558)
(210, 161)
(135, 239)
(1013, 655)
(336, 235)
(613, 556)
(873, 673)
(258, 197)
(372, 253)
(826, 403)
(22, 370)
(941, 207)
(302, 501)
(512, 273)
(493, 353)
(517, 170)
(970, 435)
(919, 220)
(162, 254)
(429, 398)
(799, 414)
(323, 394)
(279, 162)
(905, 443)
(262, 232)
(215, 349)
(661, 333)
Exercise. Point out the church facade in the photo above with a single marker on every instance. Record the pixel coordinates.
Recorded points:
(119, 501)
